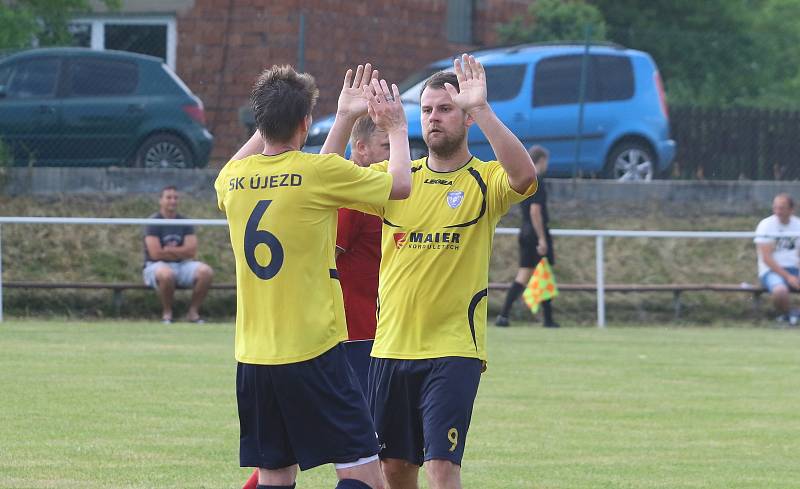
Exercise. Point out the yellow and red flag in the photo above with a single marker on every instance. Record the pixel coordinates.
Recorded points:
(541, 287)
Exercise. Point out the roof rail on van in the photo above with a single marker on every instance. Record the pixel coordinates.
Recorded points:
(516, 47)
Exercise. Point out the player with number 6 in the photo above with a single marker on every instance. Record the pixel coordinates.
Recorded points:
(299, 402)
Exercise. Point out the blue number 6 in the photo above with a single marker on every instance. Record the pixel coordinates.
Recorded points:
(254, 237)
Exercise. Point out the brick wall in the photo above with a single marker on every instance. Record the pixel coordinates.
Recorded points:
(224, 44)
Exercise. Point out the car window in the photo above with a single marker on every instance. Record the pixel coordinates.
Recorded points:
(503, 82)
(34, 78)
(411, 88)
(613, 78)
(5, 73)
(557, 79)
(98, 77)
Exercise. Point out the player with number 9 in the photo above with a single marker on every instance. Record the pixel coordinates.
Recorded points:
(430, 342)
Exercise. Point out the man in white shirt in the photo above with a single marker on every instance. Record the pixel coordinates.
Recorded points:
(778, 258)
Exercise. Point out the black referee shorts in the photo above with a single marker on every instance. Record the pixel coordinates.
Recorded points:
(528, 256)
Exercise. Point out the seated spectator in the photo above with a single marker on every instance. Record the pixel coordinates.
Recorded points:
(778, 259)
(169, 253)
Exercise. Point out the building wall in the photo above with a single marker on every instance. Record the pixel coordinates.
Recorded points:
(224, 44)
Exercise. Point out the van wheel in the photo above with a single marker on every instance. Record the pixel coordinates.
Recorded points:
(631, 161)
(418, 150)
(164, 151)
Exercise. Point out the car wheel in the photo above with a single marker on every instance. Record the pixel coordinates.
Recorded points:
(631, 161)
(418, 150)
(164, 151)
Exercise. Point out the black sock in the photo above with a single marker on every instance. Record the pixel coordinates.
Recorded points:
(513, 294)
(352, 484)
(260, 486)
(547, 309)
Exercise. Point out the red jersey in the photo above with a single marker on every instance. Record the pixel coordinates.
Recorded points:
(359, 237)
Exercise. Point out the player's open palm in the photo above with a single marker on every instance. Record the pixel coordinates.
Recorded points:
(352, 100)
(471, 82)
(384, 105)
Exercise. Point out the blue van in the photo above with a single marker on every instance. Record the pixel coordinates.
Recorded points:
(535, 90)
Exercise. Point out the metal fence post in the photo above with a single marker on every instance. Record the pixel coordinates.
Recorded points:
(301, 44)
(601, 292)
(582, 100)
(1, 273)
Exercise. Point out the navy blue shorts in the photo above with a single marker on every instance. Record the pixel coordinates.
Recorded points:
(422, 408)
(308, 413)
(358, 355)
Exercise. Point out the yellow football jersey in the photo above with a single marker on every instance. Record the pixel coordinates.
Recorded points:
(434, 271)
(281, 213)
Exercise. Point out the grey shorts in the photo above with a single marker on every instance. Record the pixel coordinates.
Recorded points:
(184, 272)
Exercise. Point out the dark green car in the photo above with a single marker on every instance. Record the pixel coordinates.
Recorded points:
(82, 107)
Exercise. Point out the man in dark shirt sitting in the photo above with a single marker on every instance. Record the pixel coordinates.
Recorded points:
(169, 254)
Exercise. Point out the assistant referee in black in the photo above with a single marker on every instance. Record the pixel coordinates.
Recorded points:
(535, 241)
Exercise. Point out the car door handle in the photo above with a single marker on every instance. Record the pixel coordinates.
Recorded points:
(519, 117)
(47, 109)
(135, 108)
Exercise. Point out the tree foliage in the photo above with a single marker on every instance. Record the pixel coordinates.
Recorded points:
(711, 52)
(705, 50)
(24, 23)
(554, 20)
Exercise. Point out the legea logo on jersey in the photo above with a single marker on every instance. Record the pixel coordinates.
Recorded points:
(454, 198)
(399, 240)
(438, 181)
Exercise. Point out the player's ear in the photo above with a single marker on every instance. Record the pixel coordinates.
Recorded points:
(360, 146)
(306, 124)
(468, 121)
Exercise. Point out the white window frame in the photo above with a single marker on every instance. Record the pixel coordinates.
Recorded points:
(98, 25)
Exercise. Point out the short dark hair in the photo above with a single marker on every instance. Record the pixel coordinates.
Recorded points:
(438, 79)
(538, 152)
(363, 129)
(168, 187)
(281, 98)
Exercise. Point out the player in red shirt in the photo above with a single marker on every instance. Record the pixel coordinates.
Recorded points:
(358, 258)
(358, 254)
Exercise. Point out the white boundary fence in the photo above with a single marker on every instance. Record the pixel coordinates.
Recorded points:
(598, 235)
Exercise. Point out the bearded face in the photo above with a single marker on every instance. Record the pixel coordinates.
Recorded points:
(444, 127)
(444, 142)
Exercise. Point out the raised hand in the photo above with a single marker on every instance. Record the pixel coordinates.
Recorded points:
(352, 101)
(471, 82)
(384, 105)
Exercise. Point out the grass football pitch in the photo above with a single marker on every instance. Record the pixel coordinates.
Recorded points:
(141, 405)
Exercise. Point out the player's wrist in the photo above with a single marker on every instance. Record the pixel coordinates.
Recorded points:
(348, 115)
(480, 110)
(401, 129)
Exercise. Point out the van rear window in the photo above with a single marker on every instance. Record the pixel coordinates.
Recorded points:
(557, 79)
